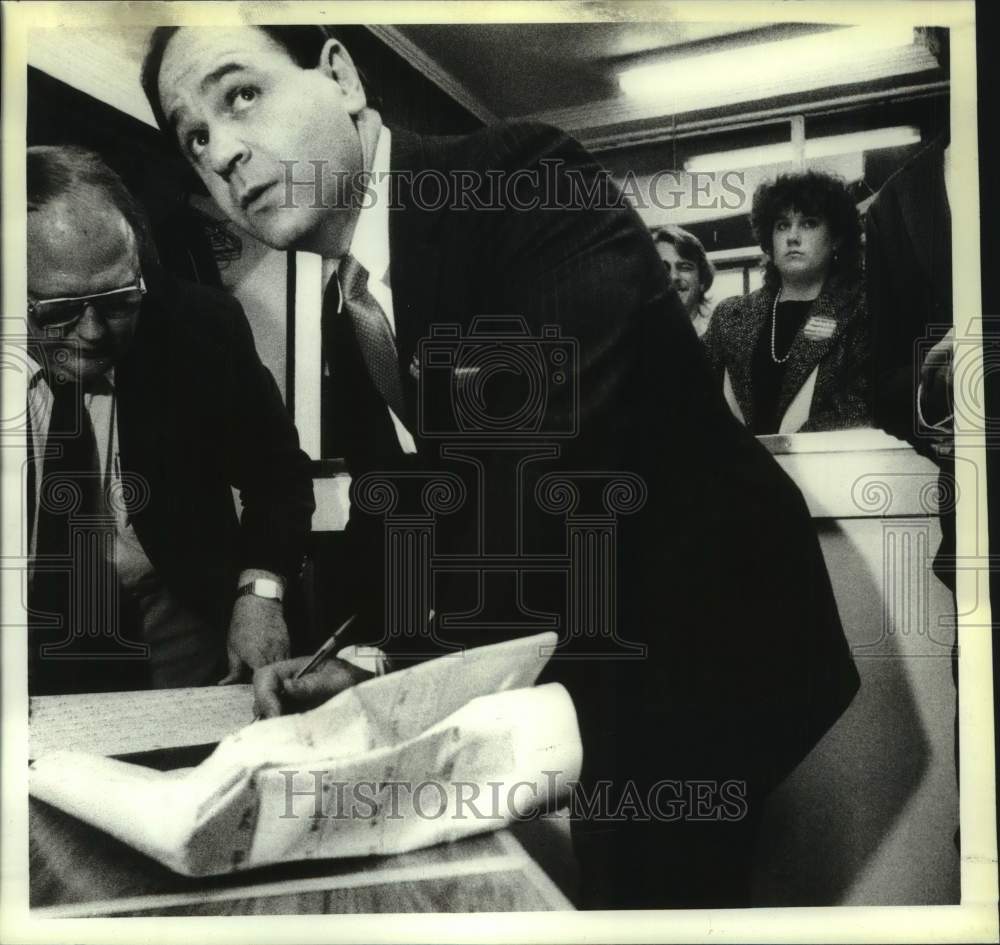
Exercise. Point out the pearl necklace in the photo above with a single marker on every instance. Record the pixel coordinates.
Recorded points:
(774, 331)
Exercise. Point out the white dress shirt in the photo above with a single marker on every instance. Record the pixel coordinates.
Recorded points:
(100, 405)
(700, 321)
(370, 247)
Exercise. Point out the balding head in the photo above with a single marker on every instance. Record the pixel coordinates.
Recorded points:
(82, 242)
(78, 231)
(84, 180)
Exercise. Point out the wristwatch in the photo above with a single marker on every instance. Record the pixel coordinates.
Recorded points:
(267, 588)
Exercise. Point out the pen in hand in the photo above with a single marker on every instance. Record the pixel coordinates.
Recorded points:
(325, 650)
(321, 654)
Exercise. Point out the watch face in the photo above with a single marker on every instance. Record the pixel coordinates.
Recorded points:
(263, 587)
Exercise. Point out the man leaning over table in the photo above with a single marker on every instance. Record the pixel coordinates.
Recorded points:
(720, 574)
(147, 404)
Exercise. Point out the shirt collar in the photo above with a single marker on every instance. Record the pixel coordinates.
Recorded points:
(370, 243)
(35, 368)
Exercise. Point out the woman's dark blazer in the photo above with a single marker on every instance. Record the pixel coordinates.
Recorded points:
(826, 384)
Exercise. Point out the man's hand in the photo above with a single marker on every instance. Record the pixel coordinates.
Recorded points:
(936, 397)
(936, 379)
(257, 636)
(276, 692)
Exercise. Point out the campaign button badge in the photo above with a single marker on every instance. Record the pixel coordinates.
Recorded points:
(819, 328)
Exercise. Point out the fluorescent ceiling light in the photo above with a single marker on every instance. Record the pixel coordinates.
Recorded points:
(742, 157)
(775, 67)
(897, 137)
(729, 255)
(814, 148)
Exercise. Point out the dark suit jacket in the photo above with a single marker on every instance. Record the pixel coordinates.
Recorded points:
(908, 269)
(908, 256)
(841, 395)
(719, 574)
(198, 414)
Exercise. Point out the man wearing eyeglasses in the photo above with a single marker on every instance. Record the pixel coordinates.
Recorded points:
(147, 404)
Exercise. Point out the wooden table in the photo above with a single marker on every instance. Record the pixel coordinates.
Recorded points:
(77, 870)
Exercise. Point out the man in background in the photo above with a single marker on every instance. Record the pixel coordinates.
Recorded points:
(908, 274)
(690, 272)
(147, 404)
(730, 661)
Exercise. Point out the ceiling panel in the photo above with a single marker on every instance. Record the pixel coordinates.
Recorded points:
(567, 73)
(518, 69)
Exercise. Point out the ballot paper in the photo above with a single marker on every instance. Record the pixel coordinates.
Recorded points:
(119, 723)
(455, 746)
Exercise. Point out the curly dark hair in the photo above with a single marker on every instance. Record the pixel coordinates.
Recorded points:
(815, 194)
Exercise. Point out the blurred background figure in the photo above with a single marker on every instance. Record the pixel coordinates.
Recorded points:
(690, 272)
(908, 274)
(794, 355)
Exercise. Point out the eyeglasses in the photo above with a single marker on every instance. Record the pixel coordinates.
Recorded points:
(63, 314)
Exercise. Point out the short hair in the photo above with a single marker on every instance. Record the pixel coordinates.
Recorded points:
(302, 43)
(688, 247)
(813, 193)
(57, 171)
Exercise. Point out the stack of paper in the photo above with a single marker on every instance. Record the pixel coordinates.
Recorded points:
(124, 723)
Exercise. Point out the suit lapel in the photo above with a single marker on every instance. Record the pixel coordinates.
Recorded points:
(748, 332)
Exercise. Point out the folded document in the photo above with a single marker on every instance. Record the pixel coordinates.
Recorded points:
(451, 747)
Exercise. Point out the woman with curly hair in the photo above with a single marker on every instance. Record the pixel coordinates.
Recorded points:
(793, 356)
